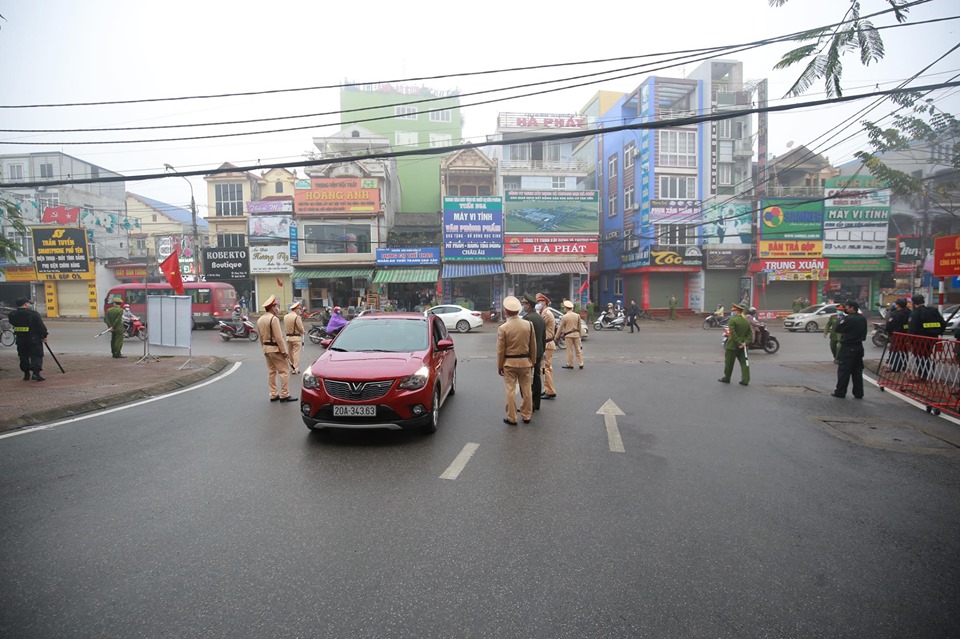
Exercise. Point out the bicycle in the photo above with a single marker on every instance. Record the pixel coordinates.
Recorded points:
(7, 338)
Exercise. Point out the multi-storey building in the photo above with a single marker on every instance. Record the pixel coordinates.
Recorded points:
(161, 228)
(667, 192)
(550, 221)
(91, 218)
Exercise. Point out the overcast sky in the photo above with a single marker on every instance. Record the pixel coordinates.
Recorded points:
(56, 51)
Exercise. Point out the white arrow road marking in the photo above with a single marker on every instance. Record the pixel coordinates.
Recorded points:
(609, 410)
(453, 471)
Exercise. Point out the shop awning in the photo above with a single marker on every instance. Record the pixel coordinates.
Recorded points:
(321, 273)
(406, 276)
(545, 268)
(468, 269)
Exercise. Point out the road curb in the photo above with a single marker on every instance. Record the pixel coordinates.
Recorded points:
(112, 401)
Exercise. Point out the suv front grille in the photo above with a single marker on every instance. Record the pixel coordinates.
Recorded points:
(356, 391)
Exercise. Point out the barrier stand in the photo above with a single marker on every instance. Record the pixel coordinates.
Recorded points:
(925, 369)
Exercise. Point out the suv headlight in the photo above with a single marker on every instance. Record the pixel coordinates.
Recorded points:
(416, 381)
(310, 380)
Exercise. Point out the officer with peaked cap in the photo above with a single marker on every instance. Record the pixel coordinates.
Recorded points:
(549, 333)
(736, 345)
(569, 329)
(539, 330)
(516, 357)
(114, 319)
(275, 351)
(293, 329)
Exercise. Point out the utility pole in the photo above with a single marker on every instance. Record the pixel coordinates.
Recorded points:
(197, 254)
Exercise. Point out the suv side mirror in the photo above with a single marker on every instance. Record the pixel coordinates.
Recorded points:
(445, 344)
(325, 343)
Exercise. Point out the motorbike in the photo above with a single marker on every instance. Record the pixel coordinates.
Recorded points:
(715, 321)
(618, 321)
(135, 328)
(765, 340)
(317, 332)
(228, 331)
(879, 337)
(495, 314)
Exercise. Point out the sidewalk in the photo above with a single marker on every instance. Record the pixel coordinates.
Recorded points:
(91, 382)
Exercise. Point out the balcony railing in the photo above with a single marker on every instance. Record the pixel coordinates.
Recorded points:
(743, 148)
(559, 166)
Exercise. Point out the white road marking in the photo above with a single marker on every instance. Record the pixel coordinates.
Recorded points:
(99, 413)
(610, 411)
(453, 470)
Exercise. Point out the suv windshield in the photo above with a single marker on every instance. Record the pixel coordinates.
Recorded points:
(813, 309)
(384, 335)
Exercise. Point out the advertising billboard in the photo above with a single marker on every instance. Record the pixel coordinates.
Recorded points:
(472, 228)
(791, 228)
(552, 212)
(338, 195)
(270, 259)
(408, 256)
(675, 211)
(226, 264)
(269, 228)
(550, 245)
(728, 223)
(856, 215)
(61, 253)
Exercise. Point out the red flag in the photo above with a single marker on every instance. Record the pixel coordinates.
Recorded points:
(60, 215)
(170, 268)
(279, 283)
(586, 283)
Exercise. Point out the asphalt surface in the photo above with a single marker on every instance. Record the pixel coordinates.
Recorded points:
(768, 511)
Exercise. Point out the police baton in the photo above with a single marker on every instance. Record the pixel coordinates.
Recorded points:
(49, 350)
(101, 333)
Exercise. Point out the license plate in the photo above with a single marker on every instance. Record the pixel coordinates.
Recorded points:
(354, 411)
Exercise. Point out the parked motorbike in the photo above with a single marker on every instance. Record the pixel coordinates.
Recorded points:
(614, 321)
(715, 321)
(135, 328)
(765, 340)
(228, 331)
(879, 337)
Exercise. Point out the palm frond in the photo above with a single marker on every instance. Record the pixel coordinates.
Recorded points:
(812, 72)
(899, 10)
(796, 55)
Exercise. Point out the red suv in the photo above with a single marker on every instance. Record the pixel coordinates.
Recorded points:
(386, 370)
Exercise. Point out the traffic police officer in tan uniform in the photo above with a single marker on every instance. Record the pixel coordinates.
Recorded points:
(275, 351)
(516, 356)
(293, 329)
(550, 332)
(570, 330)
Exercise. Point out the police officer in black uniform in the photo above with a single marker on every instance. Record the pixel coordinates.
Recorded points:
(898, 322)
(853, 332)
(927, 322)
(539, 330)
(31, 336)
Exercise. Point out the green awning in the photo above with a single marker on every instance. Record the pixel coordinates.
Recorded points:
(321, 273)
(406, 276)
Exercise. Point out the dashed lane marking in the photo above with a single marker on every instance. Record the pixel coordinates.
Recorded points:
(453, 470)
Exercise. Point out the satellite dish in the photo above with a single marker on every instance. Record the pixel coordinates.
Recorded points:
(790, 144)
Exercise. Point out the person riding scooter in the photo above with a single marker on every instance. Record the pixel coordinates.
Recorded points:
(127, 318)
(755, 324)
(336, 322)
(237, 319)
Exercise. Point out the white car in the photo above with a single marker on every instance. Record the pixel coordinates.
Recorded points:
(456, 318)
(811, 319)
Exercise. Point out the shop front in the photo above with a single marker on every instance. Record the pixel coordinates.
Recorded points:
(669, 272)
(478, 285)
(858, 279)
(406, 277)
(777, 283)
(232, 266)
(345, 286)
(63, 264)
(271, 270)
(556, 280)
(16, 281)
(725, 269)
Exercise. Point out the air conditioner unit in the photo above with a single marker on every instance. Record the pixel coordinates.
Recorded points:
(636, 152)
(635, 207)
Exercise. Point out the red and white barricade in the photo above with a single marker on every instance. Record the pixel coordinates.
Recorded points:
(926, 369)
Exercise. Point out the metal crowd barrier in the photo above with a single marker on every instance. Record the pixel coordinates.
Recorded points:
(926, 369)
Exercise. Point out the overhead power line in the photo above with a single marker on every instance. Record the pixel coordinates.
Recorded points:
(446, 76)
(569, 135)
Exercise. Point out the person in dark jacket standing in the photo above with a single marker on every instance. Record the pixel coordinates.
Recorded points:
(539, 330)
(633, 311)
(853, 332)
(31, 335)
(898, 322)
(927, 322)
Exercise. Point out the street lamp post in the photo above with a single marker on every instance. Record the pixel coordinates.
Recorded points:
(193, 217)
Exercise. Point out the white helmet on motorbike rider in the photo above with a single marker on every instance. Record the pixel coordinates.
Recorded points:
(752, 310)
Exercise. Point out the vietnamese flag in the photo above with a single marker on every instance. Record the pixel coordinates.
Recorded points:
(60, 215)
(586, 283)
(170, 268)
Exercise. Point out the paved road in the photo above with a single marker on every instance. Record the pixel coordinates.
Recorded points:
(768, 511)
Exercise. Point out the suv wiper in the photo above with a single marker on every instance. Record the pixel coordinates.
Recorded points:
(337, 348)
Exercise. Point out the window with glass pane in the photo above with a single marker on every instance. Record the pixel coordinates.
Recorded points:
(628, 198)
(677, 148)
(724, 130)
(320, 239)
(678, 187)
(22, 240)
(228, 199)
(405, 112)
(406, 138)
(612, 205)
(617, 285)
(231, 240)
(559, 183)
(440, 139)
(552, 152)
(15, 172)
(675, 234)
(441, 116)
(46, 170)
(519, 152)
(628, 155)
(612, 167)
(725, 174)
